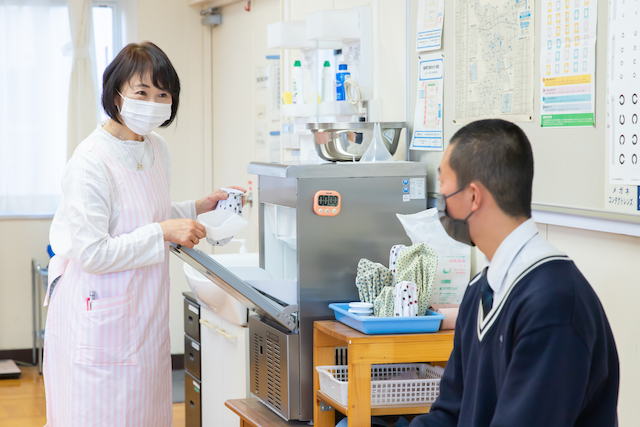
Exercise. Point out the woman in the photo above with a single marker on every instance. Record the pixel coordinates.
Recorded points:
(107, 350)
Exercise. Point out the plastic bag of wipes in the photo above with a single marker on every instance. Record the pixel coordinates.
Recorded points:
(454, 258)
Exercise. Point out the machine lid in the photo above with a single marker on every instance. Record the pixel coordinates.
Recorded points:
(236, 287)
(340, 170)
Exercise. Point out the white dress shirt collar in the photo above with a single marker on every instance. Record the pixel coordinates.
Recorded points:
(507, 252)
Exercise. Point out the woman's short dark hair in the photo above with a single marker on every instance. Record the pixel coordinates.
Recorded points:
(498, 154)
(138, 59)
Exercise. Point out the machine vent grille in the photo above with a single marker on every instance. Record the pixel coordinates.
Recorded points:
(257, 343)
(274, 395)
(341, 356)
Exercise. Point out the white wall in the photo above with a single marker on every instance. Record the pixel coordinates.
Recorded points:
(607, 260)
(239, 45)
(175, 28)
(23, 239)
(237, 48)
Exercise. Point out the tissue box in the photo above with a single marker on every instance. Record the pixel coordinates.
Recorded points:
(451, 313)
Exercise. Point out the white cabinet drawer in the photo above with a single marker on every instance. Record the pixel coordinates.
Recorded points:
(211, 365)
(224, 367)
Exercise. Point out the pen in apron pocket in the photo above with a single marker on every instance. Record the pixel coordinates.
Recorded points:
(92, 295)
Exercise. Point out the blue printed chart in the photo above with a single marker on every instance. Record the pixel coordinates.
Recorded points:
(568, 61)
(430, 18)
(427, 121)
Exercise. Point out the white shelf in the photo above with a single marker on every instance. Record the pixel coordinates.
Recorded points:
(334, 25)
(556, 216)
(293, 35)
(212, 3)
(337, 108)
(300, 110)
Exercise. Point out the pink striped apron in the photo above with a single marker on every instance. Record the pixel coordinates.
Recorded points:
(110, 365)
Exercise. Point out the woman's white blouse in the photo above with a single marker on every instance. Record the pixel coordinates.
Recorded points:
(86, 219)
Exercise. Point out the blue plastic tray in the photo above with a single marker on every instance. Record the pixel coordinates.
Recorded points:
(387, 325)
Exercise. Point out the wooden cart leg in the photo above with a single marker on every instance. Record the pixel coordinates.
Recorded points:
(359, 395)
(322, 356)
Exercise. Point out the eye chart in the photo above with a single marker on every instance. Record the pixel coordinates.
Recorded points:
(624, 92)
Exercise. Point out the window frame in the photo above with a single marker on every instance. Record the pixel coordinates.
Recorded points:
(117, 21)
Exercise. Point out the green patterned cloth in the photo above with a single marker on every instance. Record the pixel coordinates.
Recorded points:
(384, 303)
(418, 264)
(372, 278)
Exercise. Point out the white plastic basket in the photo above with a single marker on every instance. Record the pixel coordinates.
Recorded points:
(389, 385)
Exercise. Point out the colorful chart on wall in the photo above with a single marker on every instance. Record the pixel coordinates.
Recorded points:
(430, 18)
(495, 48)
(427, 121)
(568, 63)
(571, 163)
(624, 92)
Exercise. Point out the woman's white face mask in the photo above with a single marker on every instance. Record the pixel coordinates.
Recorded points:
(142, 117)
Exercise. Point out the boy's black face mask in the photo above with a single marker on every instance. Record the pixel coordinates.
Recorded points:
(457, 229)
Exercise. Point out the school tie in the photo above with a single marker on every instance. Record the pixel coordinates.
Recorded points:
(486, 293)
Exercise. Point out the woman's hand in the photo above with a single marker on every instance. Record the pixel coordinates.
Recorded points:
(209, 203)
(183, 231)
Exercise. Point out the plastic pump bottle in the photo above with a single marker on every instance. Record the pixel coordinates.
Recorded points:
(327, 83)
(297, 85)
(341, 76)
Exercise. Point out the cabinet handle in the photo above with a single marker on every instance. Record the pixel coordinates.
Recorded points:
(207, 324)
(226, 335)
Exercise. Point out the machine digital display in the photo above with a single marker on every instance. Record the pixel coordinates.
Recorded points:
(328, 201)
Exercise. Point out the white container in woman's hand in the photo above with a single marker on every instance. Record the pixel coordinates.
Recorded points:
(225, 220)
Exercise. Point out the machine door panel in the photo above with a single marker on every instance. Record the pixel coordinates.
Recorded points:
(236, 287)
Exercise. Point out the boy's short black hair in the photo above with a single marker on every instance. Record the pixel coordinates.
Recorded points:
(137, 59)
(498, 154)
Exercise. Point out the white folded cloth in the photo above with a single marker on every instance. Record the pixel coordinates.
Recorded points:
(393, 256)
(405, 299)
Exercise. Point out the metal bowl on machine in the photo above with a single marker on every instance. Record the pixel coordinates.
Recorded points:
(346, 142)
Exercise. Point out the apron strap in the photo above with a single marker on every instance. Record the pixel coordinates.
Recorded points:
(57, 266)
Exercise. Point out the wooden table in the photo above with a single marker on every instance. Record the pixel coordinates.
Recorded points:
(363, 351)
(252, 413)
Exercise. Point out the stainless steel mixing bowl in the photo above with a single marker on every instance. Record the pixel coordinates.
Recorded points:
(345, 142)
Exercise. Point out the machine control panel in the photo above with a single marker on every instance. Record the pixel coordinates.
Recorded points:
(327, 203)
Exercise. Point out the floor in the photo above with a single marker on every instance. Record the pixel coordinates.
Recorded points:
(177, 377)
(22, 402)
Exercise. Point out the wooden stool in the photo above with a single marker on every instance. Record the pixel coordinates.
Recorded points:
(363, 351)
(253, 413)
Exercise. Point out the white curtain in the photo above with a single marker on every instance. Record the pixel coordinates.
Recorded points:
(83, 96)
(34, 91)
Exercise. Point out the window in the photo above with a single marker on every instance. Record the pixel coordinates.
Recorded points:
(35, 68)
(107, 37)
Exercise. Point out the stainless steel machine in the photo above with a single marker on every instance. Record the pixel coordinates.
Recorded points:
(316, 223)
